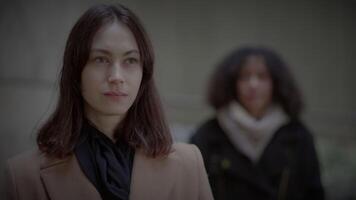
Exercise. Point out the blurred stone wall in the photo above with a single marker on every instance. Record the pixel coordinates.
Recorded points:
(317, 38)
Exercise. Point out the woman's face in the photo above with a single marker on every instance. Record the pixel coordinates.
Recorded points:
(254, 86)
(112, 76)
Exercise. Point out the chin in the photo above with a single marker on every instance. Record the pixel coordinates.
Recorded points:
(115, 112)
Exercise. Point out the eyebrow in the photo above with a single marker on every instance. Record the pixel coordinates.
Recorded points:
(104, 51)
(131, 51)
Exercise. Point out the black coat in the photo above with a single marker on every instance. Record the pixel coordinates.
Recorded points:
(287, 169)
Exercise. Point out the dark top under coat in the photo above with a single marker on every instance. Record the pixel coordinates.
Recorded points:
(106, 164)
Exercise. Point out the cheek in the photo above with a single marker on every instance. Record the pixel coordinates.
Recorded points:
(267, 89)
(85, 81)
(90, 81)
(136, 79)
(87, 90)
(241, 90)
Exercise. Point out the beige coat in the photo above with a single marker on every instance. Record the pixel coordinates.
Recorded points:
(180, 176)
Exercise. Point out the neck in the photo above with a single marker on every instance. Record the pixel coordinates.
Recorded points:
(105, 123)
(257, 114)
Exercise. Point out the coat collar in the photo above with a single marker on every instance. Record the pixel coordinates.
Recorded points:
(240, 166)
(63, 179)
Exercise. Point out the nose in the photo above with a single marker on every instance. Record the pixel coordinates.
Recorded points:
(115, 74)
(253, 81)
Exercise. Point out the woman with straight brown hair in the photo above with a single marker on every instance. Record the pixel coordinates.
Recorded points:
(107, 138)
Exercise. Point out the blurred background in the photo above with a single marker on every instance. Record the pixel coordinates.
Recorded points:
(317, 38)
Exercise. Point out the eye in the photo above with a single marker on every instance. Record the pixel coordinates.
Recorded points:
(264, 76)
(131, 61)
(101, 60)
(244, 77)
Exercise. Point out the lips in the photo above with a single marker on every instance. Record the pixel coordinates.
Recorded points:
(115, 94)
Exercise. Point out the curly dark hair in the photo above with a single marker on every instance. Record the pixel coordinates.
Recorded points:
(222, 84)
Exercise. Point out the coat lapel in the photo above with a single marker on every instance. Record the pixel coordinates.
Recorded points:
(151, 179)
(63, 179)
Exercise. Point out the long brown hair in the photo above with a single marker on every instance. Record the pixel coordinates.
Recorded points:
(144, 126)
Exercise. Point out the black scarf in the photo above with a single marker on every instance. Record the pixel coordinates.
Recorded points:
(107, 165)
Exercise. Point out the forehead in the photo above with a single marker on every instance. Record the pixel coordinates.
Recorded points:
(255, 63)
(114, 36)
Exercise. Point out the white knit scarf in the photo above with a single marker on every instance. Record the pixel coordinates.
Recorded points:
(248, 134)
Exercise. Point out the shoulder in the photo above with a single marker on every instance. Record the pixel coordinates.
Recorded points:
(182, 148)
(23, 174)
(185, 152)
(181, 172)
(192, 170)
(208, 130)
(190, 161)
(297, 128)
(183, 160)
(184, 156)
(26, 161)
(297, 133)
(25, 168)
(33, 160)
(181, 152)
(209, 124)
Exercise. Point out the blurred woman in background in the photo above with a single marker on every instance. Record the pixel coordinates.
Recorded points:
(256, 146)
